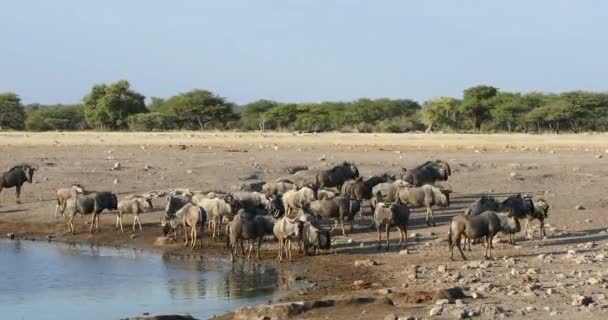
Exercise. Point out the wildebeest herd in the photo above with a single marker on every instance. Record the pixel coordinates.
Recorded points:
(293, 208)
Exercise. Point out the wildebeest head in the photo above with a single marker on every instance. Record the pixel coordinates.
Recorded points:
(27, 169)
(352, 168)
(275, 207)
(173, 204)
(445, 199)
(509, 221)
(324, 239)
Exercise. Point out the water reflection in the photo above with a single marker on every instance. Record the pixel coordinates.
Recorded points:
(69, 279)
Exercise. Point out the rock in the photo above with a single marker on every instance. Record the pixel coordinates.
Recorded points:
(599, 156)
(10, 236)
(294, 169)
(385, 291)
(442, 302)
(460, 314)
(322, 158)
(581, 300)
(147, 167)
(436, 311)
(133, 236)
(282, 310)
(442, 268)
(451, 294)
(365, 263)
(404, 252)
(117, 166)
(360, 284)
(579, 207)
(593, 281)
(116, 181)
(476, 295)
(391, 317)
(189, 172)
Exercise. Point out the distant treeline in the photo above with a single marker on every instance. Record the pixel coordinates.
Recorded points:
(481, 109)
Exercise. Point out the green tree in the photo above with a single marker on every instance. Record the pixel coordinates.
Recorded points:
(156, 104)
(441, 112)
(253, 114)
(109, 106)
(281, 116)
(152, 121)
(59, 117)
(477, 103)
(200, 108)
(12, 113)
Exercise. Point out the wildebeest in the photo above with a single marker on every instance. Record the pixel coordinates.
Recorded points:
(487, 225)
(277, 188)
(315, 238)
(17, 176)
(338, 207)
(360, 189)
(519, 207)
(216, 209)
(387, 191)
(426, 196)
(63, 195)
(175, 202)
(428, 173)
(247, 200)
(540, 213)
(326, 193)
(93, 203)
(134, 204)
(485, 203)
(391, 215)
(189, 216)
(287, 230)
(337, 175)
(248, 225)
(300, 199)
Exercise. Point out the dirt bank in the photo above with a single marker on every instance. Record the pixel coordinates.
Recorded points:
(534, 279)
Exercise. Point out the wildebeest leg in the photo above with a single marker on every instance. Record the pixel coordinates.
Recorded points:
(489, 246)
(18, 191)
(388, 230)
(526, 234)
(242, 248)
(379, 238)
(186, 235)
(194, 235)
(542, 227)
(70, 225)
(259, 245)
(92, 222)
(428, 214)
(342, 225)
(280, 257)
(138, 222)
(289, 249)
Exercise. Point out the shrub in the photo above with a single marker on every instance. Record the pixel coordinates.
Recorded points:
(152, 121)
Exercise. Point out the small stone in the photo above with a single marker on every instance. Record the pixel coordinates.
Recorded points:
(117, 166)
(385, 291)
(147, 167)
(436, 311)
(593, 281)
(442, 268)
(391, 317)
(550, 291)
(322, 158)
(404, 252)
(459, 302)
(599, 156)
(10, 236)
(116, 181)
(189, 172)
(553, 313)
(579, 207)
(580, 300)
(476, 295)
(365, 263)
(530, 308)
(441, 302)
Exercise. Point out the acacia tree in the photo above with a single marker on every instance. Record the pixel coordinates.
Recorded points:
(477, 103)
(253, 114)
(440, 112)
(12, 113)
(109, 106)
(198, 107)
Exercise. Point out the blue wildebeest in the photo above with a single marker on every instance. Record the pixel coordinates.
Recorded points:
(428, 173)
(391, 215)
(17, 176)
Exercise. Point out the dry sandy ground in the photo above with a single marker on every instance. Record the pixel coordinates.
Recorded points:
(532, 280)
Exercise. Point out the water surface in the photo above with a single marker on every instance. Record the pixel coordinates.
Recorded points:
(40, 280)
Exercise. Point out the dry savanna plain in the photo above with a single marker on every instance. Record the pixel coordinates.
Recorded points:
(563, 276)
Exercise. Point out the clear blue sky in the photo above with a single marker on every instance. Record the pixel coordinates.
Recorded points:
(301, 50)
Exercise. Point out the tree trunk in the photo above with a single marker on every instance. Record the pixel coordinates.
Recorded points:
(200, 123)
(509, 127)
(478, 123)
(429, 129)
